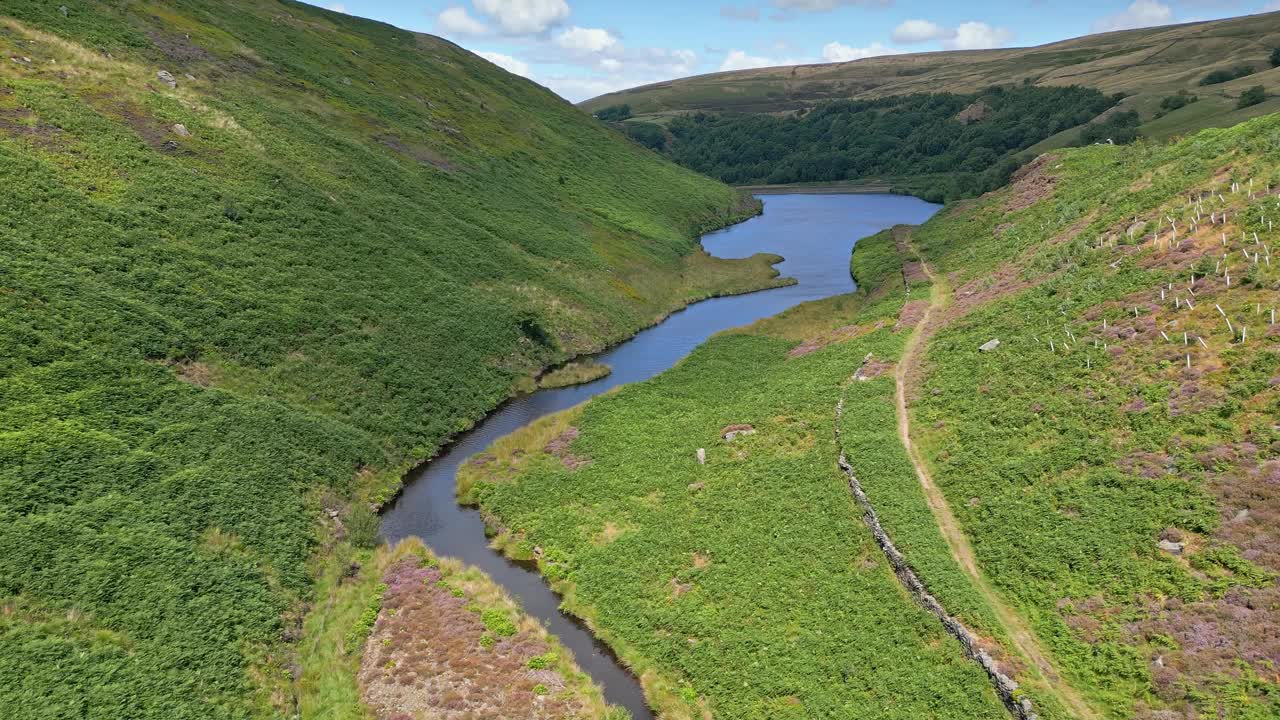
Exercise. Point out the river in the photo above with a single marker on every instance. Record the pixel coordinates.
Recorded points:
(815, 233)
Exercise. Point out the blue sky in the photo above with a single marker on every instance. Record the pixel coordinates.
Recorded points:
(583, 48)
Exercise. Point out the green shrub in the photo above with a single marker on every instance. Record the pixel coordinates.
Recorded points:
(1119, 128)
(1251, 97)
(1226, 75)
(614, 113)
(1173, 102)
(498, 622)
(540, 662)
(364, 625)
(362, 526)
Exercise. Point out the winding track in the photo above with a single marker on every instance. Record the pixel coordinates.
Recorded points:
(1019, 632)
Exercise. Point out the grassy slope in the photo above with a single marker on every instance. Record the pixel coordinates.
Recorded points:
(747, 587)
(1065, 467)
(368, 237)
(1148, 64)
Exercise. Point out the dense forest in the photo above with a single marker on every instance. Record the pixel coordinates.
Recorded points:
(971, 141)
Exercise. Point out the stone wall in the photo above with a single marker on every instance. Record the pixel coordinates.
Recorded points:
(1005, 686)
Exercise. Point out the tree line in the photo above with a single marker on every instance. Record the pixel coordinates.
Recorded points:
(956, 145)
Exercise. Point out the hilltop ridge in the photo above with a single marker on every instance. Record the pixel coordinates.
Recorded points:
(1146, 64)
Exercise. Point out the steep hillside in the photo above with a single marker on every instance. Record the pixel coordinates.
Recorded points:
(256, 259)
(1148, 64)
(1091, 500)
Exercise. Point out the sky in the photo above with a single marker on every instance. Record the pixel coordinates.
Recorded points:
(584, 48)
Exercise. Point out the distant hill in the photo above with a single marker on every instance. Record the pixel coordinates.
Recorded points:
(1147, 65)
(256, 259)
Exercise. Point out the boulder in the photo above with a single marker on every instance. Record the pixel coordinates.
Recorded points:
(167, 78)
(989, 345)
(702, 456)
(181, 130)
(1171, 547)
(729, 432)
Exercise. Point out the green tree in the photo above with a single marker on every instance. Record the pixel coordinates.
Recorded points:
(614, 113)
(1173, 102)
(1252, 96)
(1227, 74)
(1275, 57)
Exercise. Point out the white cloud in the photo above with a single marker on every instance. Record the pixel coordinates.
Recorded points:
(590, 40)
(1142, 13)
(837, 52)
(338, 8)
(456, 21)
(971, 35)
(977, 36)
(611, 64)
(524, 17)
(918, 31)
(576, 88)
(506, 62)
(740, 60)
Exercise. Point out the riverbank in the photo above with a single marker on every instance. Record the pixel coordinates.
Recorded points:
(347, 582)
(818, 189)
(713, 485)
(816, 234)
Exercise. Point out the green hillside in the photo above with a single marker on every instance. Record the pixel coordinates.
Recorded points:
(256, 259)
(1147, 65)
(1094, 496)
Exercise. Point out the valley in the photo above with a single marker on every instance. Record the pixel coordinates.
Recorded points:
(349, 374)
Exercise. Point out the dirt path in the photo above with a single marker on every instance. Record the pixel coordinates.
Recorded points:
(1017, 629)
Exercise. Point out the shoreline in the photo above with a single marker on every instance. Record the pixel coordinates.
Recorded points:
(819, 189)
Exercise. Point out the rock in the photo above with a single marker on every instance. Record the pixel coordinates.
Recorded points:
(333, 513)
(1171, 547)
(1026, 705)
(167, 78)
(346, 81)
(989, 345)
(702, 456)
(729, 432)
(63, 9)
(695, 487)
(191, 77)
(169, 145)
(181, 130)
(1241, 516)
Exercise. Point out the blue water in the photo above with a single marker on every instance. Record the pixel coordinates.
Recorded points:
(815, 233)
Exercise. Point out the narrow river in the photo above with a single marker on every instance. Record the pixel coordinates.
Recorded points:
(815, 233)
